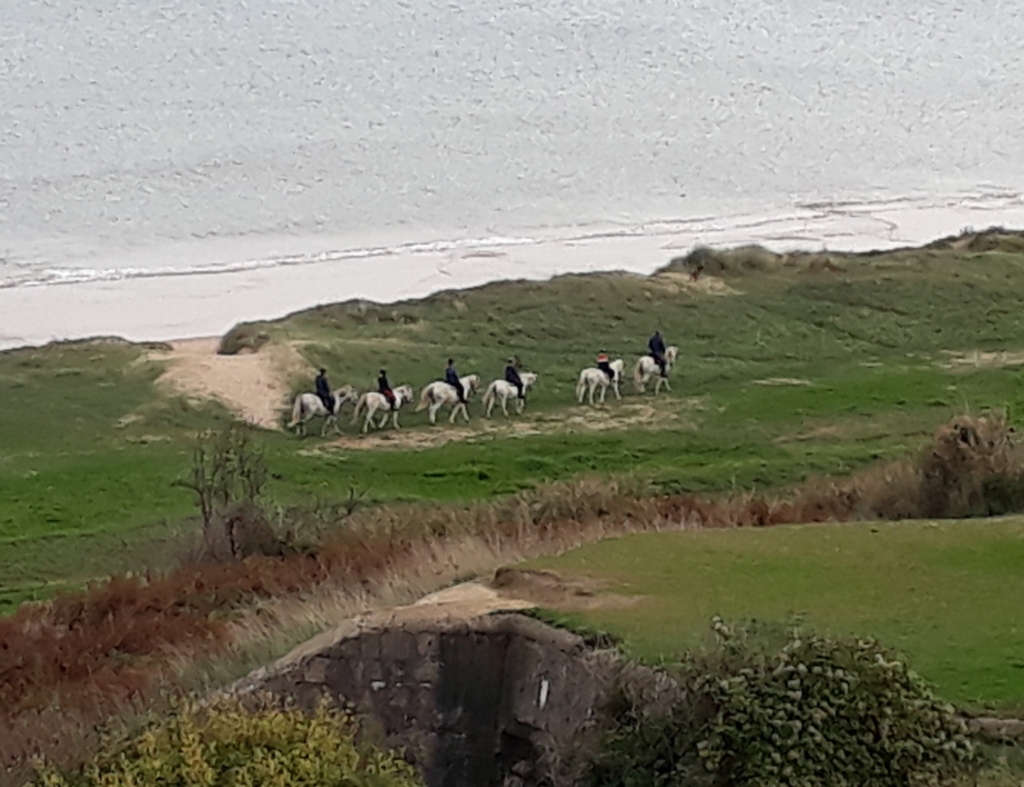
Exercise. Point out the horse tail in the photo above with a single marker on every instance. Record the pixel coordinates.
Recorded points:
(488, 396)
(296, 412)
(360, 403)
(638, 379)
(424, 399)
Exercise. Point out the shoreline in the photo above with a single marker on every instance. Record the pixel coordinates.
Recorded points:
(157, 306)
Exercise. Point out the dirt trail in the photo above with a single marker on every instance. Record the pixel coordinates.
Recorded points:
(650, 414)
(966, 361)
(252, 385)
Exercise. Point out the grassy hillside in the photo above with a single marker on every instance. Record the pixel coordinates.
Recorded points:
(790, 366)
(940, 592)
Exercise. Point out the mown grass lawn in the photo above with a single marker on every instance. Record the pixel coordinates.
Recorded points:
(947, 594)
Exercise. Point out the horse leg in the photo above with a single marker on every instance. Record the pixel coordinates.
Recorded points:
(504, 405)
(394, 419)
(604, 390)
(433, 412)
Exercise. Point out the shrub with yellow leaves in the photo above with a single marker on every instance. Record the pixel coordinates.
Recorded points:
(227, 744)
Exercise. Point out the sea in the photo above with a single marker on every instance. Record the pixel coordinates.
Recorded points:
(159, 139)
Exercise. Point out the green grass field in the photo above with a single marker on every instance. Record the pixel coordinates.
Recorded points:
(943, 593)
(89, 447)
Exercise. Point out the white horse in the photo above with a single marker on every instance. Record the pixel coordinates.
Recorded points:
(440, 393)
(372, 401)
(500, 389)
(592, 377)
(308, 406)
(647, 367)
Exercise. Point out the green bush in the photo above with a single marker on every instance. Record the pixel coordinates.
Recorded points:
(227, 745)
(816, 711)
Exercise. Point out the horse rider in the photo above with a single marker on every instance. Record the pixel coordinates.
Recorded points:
(602, 364)
(512, 377)
(656, 345)
(323, 390)
(384, 387)
(452, 378)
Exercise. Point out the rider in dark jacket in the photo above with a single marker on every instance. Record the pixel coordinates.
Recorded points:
(384, 387)
(323, 390)
(602, 364)
(512, 377)
(452, 378)
(657, 347)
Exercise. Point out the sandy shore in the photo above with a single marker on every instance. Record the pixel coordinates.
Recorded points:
(176, 307)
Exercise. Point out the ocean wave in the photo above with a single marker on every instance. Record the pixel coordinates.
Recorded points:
(49, 276)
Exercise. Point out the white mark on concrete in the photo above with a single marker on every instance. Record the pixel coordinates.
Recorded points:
(544, 687)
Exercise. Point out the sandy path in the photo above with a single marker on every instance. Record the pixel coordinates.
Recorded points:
(254, 386)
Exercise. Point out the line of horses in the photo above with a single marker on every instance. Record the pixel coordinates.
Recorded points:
(439, 394)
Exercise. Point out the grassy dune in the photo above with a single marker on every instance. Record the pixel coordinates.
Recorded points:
(944, 593)
(789, 367)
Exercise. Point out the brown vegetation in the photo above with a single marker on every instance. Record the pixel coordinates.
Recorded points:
(88, 655)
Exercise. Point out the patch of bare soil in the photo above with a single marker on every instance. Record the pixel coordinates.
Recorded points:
(405, 439)
(511, 589)
(782, 381)
(976, 359)
(653, 414)
(252, 385)
(548, 589)
(683, 282)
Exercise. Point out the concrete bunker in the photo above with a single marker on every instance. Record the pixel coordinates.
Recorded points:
(500, 699)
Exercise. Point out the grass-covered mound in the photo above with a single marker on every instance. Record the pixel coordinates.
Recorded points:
(228, 745)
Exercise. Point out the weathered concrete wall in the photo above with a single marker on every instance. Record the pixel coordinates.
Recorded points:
(498, 700)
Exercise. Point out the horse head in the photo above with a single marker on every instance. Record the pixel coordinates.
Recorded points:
(404, 393)
(471, 382)
(529, 379)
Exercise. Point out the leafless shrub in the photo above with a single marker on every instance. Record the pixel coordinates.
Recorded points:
(228, 476)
